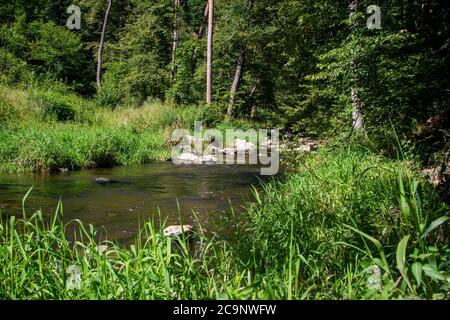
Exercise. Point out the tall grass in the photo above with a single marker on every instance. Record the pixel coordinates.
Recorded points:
(52, 128)
(340, 228)
(44, 130)
(39, 147)
(345, 214)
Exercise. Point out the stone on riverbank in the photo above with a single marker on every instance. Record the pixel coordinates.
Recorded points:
(178, 230)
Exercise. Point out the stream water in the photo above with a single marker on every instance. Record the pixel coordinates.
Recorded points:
(158, 191)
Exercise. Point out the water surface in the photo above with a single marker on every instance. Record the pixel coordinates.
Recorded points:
(158, 191)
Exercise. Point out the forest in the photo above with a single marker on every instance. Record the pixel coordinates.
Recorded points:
(92, 84)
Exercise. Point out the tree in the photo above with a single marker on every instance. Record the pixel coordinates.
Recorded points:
(238, 72)
(209, 52)
(235, 84)
(176, 39)
(356, 102)
(100, 47)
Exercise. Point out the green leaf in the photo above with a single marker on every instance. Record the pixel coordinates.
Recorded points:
(433, 225)
(416, 269)
(376, 243)
(434, 274)
(401, 260)
(23, 202)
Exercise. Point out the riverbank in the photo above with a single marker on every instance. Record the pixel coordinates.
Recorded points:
(45, 131)
(348, 225)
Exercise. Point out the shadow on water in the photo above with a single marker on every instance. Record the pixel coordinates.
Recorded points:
(156, 191)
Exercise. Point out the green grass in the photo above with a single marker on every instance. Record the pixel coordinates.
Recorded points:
(345, 211)
(47, 147)
(348, 225)
(44, 130)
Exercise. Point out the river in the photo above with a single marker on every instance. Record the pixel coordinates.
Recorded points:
(162, 192)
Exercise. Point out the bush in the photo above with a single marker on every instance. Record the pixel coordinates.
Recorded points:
(12, 70)
(7, 113)
(213, 115)
(56, 109)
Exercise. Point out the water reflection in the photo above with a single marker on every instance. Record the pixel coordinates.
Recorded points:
(152, 191)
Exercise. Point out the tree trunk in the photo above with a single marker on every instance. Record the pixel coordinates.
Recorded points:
(202, 29)
(356, 102)
(236, 80)
(209, 53)
(100, 48)
(176, 39)
(198, 36)
(252, 93)
(239, 66)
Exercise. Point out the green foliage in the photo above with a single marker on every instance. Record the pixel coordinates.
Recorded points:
(109, 95)
(138, 68)
(55, 50)
(188, 86)
(55, 108)
(331, 243)
(12, 70)
(51, 129)
(345, 211)
(297, 59)
(399, 73)
(43, 148)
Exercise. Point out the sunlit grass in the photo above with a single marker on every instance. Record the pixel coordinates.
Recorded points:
(344, 227)
(44, 130)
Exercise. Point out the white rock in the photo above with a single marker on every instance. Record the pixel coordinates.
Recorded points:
(228, 151)
(244, 146)
(209, 159)
(303, 148)
(102, 249)
(187, 158)
(178, 230)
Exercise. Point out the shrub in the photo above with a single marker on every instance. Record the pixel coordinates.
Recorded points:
(56, 109)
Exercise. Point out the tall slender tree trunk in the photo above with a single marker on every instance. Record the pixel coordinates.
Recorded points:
(356, 102)
(202, 27)
(100, 47)
(209, 53)
(236, 80)
(239, 66)
(176, 39)
(252, 93)
(198, 36)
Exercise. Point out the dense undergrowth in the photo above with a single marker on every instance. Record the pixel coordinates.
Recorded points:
(348, 225)
(45, 130)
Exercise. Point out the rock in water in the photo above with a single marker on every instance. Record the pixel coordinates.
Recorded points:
(209, 159)
(190, 158)
(103, 181)
(244, 146)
